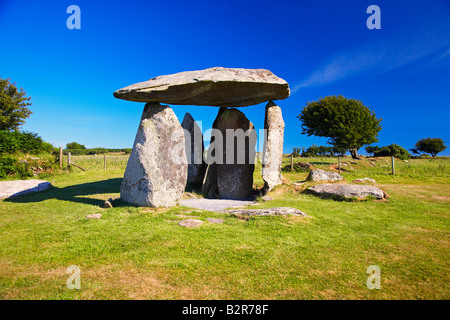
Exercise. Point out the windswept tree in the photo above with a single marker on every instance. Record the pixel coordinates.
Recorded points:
(75, 146)
(431, 146)
(13, 106)
(346, 122)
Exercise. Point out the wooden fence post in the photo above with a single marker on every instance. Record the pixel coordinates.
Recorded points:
(68, 159)
(60, 157)
(393, 165)
(292, 161)
(104, 161)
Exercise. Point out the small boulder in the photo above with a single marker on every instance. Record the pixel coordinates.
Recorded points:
(334, 190)
(94, 216)
(364, 180)
(266, 198)
(322, 175)
(190, 223)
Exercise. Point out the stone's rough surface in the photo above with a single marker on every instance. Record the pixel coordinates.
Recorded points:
(94, 216)
(190, 223)
(364, 180)
(20, 187)
(235, 174)
(209, 186)
(330, 190)
(266, 198)
(156, 171)
(273, 146)
(219, 87)
(322, 175)
(215, 220)
(194, 150)
(282, 211)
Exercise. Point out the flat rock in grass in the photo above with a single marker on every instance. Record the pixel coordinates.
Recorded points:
(266, 198)
(280, 211)
(190, 223)
(322, 175)
(364, 180)
(94, 216)
(330, 190)
(21, 187)
(217, 87)
(215, 220)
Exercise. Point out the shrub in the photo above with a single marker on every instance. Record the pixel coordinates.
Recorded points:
(392, 150)
(10, 166)
(25, 142)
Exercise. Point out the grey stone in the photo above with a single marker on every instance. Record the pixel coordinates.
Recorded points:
(21, 187)
(273, 146)
(266, 198)
(330, 190)
(190, 223)
(209, 186)
(235, 174)
(219, 87)
(322, 175)
(215, 220)
(194, 148)
(156, 171)
(94, 216)
(280, 211)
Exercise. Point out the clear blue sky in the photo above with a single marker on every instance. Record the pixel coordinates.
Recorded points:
(401, 71)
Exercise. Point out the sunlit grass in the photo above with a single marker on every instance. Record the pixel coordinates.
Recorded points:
(141, 253)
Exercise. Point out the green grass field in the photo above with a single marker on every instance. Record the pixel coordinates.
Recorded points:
(141, 253)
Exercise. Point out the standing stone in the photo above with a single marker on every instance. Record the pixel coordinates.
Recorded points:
(273, 146)
(194, 150)
(156, 171)
(209, 187)
(235, 173)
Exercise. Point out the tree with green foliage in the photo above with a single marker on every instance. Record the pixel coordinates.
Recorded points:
(75, 146)
(392, 150)
(372, 149)
(346, 122)
(431, 146)
(13, 106)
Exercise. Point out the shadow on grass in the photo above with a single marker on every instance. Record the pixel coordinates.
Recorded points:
(75, 193)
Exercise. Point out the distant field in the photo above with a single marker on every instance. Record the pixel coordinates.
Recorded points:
(141, 253)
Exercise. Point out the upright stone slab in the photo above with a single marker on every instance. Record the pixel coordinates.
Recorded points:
(273, 146)
(235, 174)
(209, 187)
(156, 171)
(194, 150)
